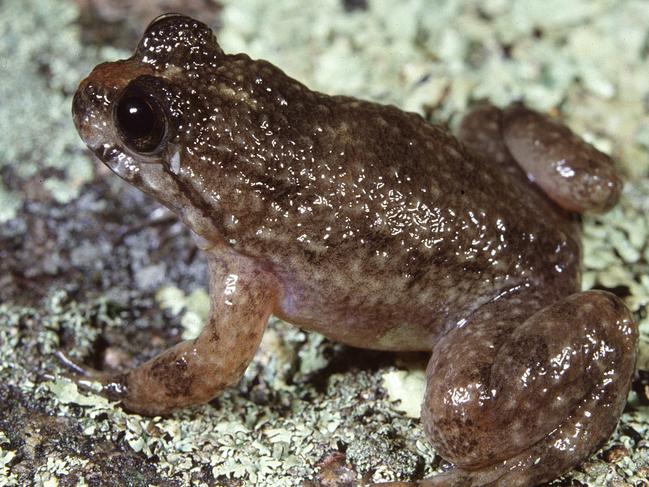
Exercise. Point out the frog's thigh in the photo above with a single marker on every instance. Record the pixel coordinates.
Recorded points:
(518, 402)
(572, 172)
(480, 131)
(194, 371)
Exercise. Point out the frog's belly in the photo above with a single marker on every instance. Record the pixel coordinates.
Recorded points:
(378, 305)
(379, 334)
(387, 322)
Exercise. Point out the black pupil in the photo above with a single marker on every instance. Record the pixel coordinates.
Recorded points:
(140, 123)
(136, 117)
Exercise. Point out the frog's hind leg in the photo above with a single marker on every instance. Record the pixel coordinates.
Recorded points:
(574, 174)
(516, 400)
(481, 131)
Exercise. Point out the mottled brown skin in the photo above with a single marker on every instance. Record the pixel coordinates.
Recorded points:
(377, 229)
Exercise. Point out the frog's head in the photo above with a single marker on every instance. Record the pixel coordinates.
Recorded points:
(139, 115)
(194, 127)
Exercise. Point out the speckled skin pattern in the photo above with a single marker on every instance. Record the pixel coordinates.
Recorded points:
(380, 230)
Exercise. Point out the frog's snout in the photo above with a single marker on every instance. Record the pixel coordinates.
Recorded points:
(78, 104)
(81, 113)
(87, 113)
(80, 107)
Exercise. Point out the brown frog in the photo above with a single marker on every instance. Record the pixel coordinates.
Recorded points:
(375, 228)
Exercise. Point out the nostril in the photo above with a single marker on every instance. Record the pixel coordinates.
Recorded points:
(90, 89)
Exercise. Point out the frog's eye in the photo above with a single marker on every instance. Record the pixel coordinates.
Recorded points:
(140, 121)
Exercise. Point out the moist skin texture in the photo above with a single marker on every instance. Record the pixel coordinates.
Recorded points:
(377, 229)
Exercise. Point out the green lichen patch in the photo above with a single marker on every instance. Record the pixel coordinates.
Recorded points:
(41, 61)
(194, 308)
(6, 458)
(262, 433)
(406, 389)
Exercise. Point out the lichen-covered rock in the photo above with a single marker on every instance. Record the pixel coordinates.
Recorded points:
(307, 410)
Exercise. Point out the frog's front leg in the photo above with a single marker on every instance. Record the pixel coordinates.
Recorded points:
(516, 400)
(194, 371)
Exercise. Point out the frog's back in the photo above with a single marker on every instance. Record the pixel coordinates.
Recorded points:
(392, 216)
(414, 205)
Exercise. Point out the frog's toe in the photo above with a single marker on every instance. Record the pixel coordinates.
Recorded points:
(73, 367)
(113, 385)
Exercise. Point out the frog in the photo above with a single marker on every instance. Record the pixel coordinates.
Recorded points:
(378, 229)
